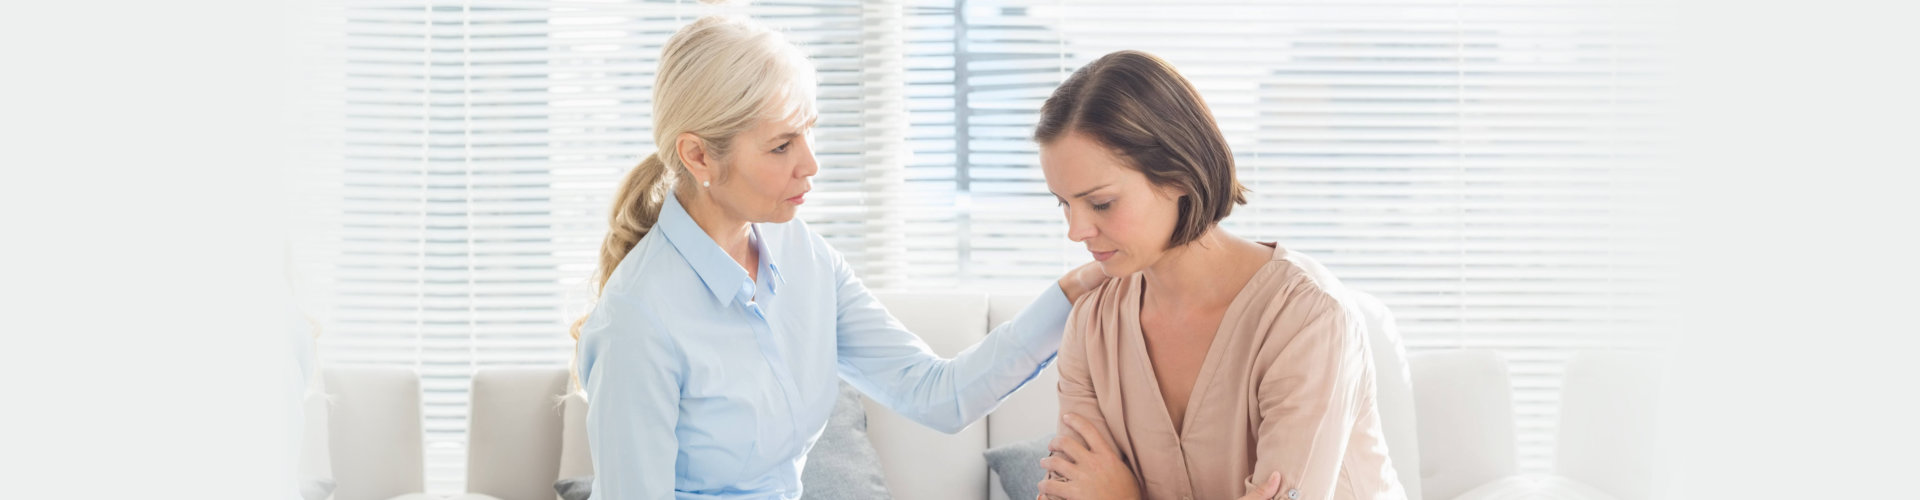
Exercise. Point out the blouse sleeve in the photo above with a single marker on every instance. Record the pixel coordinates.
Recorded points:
(630, 371)
(1309, 398)
(878, 355)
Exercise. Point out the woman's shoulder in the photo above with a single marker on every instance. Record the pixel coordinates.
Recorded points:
(1099, 310)
(1296, 289)
(650, 265)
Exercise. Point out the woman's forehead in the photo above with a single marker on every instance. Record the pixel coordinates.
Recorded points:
(785, 121)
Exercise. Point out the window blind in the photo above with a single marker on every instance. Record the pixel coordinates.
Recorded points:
(466, 151)
(1473, 165)
(1468, 163)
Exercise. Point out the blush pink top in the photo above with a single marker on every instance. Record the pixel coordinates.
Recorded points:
(1287, 385)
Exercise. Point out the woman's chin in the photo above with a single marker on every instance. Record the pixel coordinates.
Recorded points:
(782, 215)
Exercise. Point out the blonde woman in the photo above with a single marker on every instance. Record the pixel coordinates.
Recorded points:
(711, 359)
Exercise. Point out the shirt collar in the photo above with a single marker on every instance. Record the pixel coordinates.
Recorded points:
(722, 276)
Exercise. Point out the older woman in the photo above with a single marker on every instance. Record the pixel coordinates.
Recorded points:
(1214, 367)
(710, 361)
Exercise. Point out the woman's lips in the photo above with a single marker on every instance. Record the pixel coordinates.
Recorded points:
(798, 199)
(1103, 256)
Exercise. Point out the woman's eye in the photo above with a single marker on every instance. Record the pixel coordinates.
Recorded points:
(783, 147)
(1102, 206)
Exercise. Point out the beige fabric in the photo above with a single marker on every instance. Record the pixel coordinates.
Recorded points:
(1287, 385)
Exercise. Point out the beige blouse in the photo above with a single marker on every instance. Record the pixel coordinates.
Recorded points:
(1287, 385)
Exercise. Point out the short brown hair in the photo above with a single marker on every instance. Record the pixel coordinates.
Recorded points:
(1139, 107)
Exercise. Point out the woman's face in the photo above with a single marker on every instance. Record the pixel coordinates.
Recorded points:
(767, 172)
(1124, 219)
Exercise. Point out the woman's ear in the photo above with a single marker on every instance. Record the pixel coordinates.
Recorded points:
(693, 154)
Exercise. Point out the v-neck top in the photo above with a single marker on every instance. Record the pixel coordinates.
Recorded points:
(1287, 385)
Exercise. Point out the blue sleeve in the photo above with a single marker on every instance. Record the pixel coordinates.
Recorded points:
(631, 372)
(895, 368)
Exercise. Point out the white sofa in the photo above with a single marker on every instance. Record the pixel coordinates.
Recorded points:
(1462, 439)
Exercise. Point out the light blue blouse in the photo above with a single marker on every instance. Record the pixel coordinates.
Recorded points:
(703, 383)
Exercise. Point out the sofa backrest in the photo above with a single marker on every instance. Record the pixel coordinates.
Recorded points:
(1607, 434)
(1465, 403)
(374, 433)
(1028, 413)
(922, 463)
(1393, 391)
(514, 432)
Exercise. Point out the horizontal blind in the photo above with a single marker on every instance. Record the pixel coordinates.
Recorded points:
(1467, 163)
(464, 154)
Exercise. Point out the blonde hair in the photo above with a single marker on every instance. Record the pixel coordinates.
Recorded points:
(717, 77)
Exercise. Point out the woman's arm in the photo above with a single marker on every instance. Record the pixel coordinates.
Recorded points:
(1309, 398)
(631, 373)
(1083, 446)
(895, 368)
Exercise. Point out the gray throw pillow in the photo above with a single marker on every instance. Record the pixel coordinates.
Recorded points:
(574, 488)
(316, 488)
(1018, 465)
(841, 466)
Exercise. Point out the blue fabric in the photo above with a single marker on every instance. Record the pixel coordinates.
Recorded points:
(704, 384)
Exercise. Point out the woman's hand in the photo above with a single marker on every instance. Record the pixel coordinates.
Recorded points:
(1084, 467)
(1081, 280)
(1267, 490)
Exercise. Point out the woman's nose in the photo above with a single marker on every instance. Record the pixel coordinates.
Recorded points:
(1078, 229)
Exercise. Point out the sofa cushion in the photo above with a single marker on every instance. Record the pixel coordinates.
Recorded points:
(514, 431)
(1534, 487)
(922, 463)
(1465, 403)
(374, 435)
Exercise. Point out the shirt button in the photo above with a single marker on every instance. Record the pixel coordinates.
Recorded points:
(1293, 493)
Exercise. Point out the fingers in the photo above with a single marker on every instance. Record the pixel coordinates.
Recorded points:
(1068, 448)
(1052, 488)
(1087, 433)
(1267, 489)
(1059, 467)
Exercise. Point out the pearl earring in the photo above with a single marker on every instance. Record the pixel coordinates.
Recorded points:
(705, 184)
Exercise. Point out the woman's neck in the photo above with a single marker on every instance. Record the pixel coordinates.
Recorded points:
(1207, 272)
(733, 234)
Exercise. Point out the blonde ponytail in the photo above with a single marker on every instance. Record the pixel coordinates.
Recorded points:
(636, 206)
(717, 77)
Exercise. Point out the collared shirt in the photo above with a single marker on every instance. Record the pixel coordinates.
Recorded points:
(703, 383)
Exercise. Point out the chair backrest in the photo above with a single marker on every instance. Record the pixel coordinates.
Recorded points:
(1465, 402)
(922, 463)
(374, 433)
(514, 432)
(1606, 437)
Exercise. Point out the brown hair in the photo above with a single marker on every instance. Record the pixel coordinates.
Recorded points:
(1139, 107)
